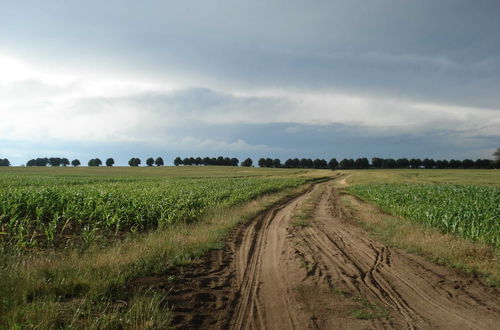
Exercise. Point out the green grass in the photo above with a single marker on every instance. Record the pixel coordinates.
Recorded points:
(474, 177)
(368, 311)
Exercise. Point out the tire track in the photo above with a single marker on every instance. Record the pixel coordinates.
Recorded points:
(331, 275)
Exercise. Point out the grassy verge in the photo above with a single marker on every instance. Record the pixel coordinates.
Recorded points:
(446, 249)
(75, 289)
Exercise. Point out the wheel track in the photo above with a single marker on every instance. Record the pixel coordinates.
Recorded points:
(274, 275)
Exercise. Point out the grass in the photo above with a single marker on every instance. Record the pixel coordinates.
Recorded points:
(367, 310)
(302, 215)
(89, 288)
(445, 249)
(473, 177)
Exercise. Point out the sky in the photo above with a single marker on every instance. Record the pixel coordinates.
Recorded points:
(279, 79)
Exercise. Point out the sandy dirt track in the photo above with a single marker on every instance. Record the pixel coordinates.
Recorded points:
(327, 275)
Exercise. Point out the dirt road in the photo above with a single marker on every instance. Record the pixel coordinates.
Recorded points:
(326, 273)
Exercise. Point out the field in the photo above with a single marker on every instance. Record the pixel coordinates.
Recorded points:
(76, 244)
(52, 211)
(472, 212)
(75, 235)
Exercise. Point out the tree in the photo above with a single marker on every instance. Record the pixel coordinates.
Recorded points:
(333, 163)
(134, 162)
(159, 161)
(95, 162)
(415, 163)
(467, 163)
(455, 163)
(150, 161)
(247, 162)
(389, 163)
(402, 163)
(262, 162)
(361, 163)
(496, 154)
(377, 162)
(429, 163)
(31, 162)
(74, 162)
(55, 161)
(110, 162)
(234, 161)
(276, 163)
(177, 161)
(344, 164)
(65, 162)
(4, 162)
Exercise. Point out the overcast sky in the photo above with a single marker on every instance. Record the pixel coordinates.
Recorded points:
(122, 79)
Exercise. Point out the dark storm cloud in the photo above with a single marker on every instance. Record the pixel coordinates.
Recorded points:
(444, 51)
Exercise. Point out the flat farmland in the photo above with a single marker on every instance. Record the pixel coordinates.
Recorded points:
(231, 247)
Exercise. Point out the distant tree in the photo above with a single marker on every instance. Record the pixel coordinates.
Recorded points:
(75, 162)
(55, 161)
(402, 163)
(496, 154)
(484, 163)
(288, 163)
(31, 162)
(65, 162)
(159, 161)
(41, 161)
(234, 161)
(276, 163)
(467, 163)
(177, 161)
(247, 162)
(134, 162)
(333, 163)
(198, 161)
(4, 162)
(377, 162)
(415, 163)
(361, 163)
(150, 161)
(389, 163)
(344, 164)
(262, 162)
(428, 163)
(455, 163)
(110, 162)
(95, 162)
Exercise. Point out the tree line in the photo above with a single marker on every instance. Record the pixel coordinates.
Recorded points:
(346, 163)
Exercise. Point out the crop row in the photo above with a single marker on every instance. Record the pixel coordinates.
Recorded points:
(52, 213)
(469, 211)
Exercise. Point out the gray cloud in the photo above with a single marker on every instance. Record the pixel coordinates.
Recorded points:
(446, 51)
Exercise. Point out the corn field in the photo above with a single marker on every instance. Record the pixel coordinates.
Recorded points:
(469, 211)
(45, 211)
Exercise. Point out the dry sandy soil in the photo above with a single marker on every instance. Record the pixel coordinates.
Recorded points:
(328, 274)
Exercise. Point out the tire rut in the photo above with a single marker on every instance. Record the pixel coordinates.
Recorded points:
(329, 274)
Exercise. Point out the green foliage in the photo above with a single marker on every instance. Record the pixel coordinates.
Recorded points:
(468, 211)
(53, 211)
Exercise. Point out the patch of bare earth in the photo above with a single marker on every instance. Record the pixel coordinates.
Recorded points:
(325, 274)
